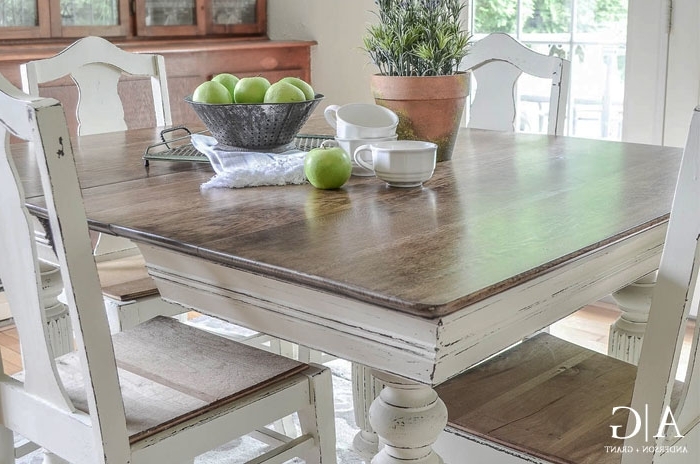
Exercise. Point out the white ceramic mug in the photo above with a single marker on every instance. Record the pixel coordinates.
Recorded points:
(399, 163)
(361, 121)
(350, 145)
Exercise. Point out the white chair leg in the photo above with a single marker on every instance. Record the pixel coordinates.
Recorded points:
(50, 458)
(7, 446)
(286, 426)
(319, 420)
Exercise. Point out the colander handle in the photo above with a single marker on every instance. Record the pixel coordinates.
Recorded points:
(330, 113)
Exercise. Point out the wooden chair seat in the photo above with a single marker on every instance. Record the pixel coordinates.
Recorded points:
(165, 382)
(126, 278)
(547, 398)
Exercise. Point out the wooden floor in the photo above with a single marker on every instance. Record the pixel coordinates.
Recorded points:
(588, 327)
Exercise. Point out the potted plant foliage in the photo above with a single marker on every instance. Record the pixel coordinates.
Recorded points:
(418, 46)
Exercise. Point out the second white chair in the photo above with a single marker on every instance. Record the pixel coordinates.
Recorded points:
(497, 61)
(96, 66)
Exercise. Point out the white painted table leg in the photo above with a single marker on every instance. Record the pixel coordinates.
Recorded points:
(627, 332)
(365, 388)
(57, 318)
(407, 417)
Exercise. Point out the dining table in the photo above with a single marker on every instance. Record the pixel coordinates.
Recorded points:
(513, 233)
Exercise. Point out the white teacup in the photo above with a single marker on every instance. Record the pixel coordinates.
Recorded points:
(399, 163)
(350, 145)
(361, 121)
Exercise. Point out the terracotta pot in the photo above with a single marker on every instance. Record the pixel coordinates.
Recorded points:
(429, 107)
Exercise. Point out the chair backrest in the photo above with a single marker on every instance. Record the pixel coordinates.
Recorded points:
(497, 61)
(674, 295)
(42, 122)
(96, 65)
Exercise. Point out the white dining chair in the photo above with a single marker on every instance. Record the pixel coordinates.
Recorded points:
(96, 66)
(555, 401)
(160, 392)
(496, 62)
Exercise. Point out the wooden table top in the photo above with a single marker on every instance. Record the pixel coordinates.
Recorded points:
(506, 209)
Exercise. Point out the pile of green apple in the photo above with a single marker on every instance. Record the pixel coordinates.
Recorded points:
(226, 88)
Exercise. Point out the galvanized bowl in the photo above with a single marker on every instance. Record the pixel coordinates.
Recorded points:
(255, 126)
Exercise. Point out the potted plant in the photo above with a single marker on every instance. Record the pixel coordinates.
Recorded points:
(418, 46)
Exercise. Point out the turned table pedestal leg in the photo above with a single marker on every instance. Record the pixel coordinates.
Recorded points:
(627, 332)
(57, 317)
(407, 417)
(365, 388)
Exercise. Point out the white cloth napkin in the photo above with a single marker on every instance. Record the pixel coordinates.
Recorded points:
(235, 167)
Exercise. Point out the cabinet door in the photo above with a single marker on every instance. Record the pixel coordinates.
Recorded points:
(23, 19)
(200, 17)
(170, 17)
(79, 18)
(237, 17)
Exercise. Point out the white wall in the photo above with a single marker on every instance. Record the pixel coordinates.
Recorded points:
(340, 69)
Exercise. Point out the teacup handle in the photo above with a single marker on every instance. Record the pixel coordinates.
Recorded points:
(330, 114)
(359, 160)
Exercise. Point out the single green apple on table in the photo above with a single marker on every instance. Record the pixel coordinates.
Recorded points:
(251, 90)
(327, 167)
(212, 92)
(283, 92)
(302, 85)
(227, 80)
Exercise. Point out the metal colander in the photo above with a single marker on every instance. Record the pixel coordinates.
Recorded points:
(255, 125)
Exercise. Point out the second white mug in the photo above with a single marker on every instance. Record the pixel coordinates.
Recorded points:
(361, 121)
(399, 163)
(350, 145)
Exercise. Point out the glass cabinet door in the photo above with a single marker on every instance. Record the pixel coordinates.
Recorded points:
(89, 13)
(78, 18)
(24, 19)
(20, 19)
(237, 16)
(169, 17)
(199, 17)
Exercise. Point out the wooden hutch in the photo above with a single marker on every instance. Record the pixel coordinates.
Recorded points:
(198, 38)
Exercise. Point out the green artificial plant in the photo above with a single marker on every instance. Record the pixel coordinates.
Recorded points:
(417, 37)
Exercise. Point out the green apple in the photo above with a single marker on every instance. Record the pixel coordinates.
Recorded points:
(212, 92)
(283, 92)
(251, 90)
(327, 167)
(227, 80)
(303, 86)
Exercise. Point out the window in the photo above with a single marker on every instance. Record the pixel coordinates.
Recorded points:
(589, 33)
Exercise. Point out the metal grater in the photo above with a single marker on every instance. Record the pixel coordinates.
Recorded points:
(181, 149)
